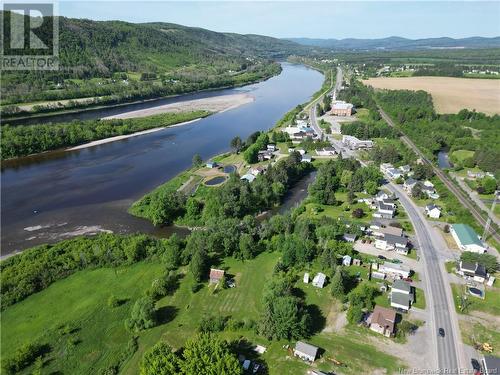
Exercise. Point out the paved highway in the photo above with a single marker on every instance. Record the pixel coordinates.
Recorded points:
(312, 109)
(444, 178)
(439, 297)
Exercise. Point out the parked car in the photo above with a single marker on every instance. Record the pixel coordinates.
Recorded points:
(441, 332)
(397, 261)
(476, 366)
(381, 257)
(408, 279)
(256, 368)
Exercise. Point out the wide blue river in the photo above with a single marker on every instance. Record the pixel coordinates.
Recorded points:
(62, 194)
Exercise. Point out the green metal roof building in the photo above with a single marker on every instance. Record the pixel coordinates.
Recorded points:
(466, 238)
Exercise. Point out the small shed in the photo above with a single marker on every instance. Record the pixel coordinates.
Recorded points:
(306, 278)
(305, 351)
(349, 237)
(319, 280)
(356, 262)
(216, 275)
(346, 260)
(212, 164)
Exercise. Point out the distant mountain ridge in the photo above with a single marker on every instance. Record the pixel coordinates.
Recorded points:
(399, 43)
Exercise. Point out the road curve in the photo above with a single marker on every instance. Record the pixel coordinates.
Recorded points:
(444, 178)
(439, 297)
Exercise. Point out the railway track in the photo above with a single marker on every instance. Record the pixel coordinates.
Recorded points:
(463, 199)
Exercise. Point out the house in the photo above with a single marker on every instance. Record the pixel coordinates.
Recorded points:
(389, 202)
(265, 155)
(215, 275)
(430, 192)
(428, 184)
(375, 225)
(341, 108)
(306, 158)
(433, 211)
(384, 211)
(394, 270)
(249, 177)
(405, 169)
(354, 143)
(305, 351)
(390, 242)
(381, 195)
(466, 238)
(384, 167)
(393, 173)
(401, 301)
(349, 237)
(409, 184)
(306, 278)
(212, 164)
(356, 262)
(382, 321)
(473, 175)
(257, 170)
(271, 147)
(319, 280)
(401, 286)
(491, 365)
(346, 260)
(326, 151)
(474, 271)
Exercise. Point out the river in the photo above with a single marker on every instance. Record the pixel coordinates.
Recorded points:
(62, 194)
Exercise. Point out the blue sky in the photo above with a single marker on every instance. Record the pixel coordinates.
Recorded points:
(339, 19)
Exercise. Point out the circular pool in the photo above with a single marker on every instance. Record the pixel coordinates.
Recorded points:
(216, 181)
(229, 169)
(475, 292)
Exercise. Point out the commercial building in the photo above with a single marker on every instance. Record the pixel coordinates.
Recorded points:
(341, 108)
(466, 238)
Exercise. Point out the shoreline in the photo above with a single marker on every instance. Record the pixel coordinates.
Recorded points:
(43, 115)
(126, 136)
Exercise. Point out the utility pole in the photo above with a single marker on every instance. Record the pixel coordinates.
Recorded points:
(492, 209)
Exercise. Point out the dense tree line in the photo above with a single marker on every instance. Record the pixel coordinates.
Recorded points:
(363, 130)
(185, 59)
(37, 268)
(204, 353)
(31, 139)
(466, 130)
(345, 175)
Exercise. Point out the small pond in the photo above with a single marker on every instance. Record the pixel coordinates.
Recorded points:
(229, 168)
(216, 181)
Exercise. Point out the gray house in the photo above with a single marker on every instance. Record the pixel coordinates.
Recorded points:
(306, 352)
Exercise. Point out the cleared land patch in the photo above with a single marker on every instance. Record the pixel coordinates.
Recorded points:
(450, 95)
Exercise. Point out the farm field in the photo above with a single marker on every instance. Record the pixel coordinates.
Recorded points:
(449, 94)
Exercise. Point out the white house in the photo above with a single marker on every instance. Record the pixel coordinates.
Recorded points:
(466, 238)
(306, 352)
(326, 151)
(401, 295)
(306, 158)
(384, 167)
(391, 242)
(409, 184)
(354, 143)
(473, 271)
(405, 169)
(271, 147)
(384, 211)
(394, 270)
(319, 280)
(249, 177)
(393, 173)
(433, 211)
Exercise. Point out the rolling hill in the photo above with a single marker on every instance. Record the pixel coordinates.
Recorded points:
(398, 43)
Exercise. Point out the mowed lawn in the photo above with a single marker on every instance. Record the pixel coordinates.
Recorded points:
(490, 305)
(449, 94)
(80, 303)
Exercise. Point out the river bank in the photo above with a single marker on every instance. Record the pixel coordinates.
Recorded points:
(95, 186)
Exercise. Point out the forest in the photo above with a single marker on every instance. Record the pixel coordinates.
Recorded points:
(25, 140)
(123, 61)
(466, 130)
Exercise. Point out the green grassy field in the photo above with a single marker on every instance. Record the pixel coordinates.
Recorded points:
(473, 333)
(80, 302)
(490, 305)
(460, 155)
(86, 335)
